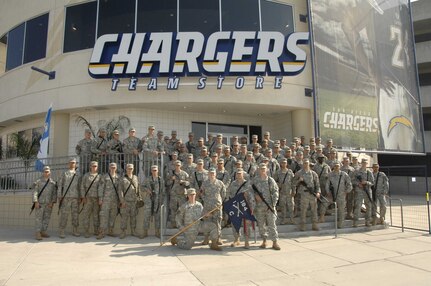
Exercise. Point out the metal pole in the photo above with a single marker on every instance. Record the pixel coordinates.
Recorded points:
(390, 209)
(428, 199)
(402, 216)
(162, 207)
(336, 219)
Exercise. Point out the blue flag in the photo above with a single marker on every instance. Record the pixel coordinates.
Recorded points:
(237, 209)
(43, 150)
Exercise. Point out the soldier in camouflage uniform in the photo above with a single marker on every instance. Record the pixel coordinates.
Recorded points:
(222, 174)
(153, 190)
(109, 201)
(83, 150)
(129, 189)
(284, 178)
(44, 197)
(198, 177)
(115, 151)
(381, 186)
(350, 198)
(213, 193)
(132, 146)
(186, 214)
(338, 185)
(99, 150)
(152, 148)
(249, 165)
(198, 149)
(306, 182)
(362, 181)
(241, 185)
(68, 196)
(332, 158)
(266, 195)
(90, 199)
(191, 144)
(229, 160)
(322, 170)
(178, 181)
(214, 159)
(273, 165)
(189, 167)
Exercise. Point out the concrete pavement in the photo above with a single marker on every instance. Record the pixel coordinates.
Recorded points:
(378, 257)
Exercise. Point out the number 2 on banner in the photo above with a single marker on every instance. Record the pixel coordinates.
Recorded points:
(396, 35)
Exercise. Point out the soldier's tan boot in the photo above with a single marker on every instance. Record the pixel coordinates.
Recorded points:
(174, 241)
(235, 242)
(101, 234)
(144, 234)
(315, 227)
(302, 227)
(263, 245)
(61, 233)
(76, 232)
(44, 234)
(355, 223)
(135, 234)
(157, 234)
(214, 245)
(367, 223)
(206, 240)
(38, 236)
(275, 245)
(382, 221)
(111, 232)
(122, 234)
(322, 218)
(246, 244)
(219, 242)
(87, 233)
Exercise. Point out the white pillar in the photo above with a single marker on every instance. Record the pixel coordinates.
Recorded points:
(301, 123)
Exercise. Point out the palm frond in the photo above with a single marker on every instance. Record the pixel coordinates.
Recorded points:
(81, 121)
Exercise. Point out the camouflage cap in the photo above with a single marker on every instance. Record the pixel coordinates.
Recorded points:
(154, 167)
(88, 130)
(283, 160)
(219, 135)
(94, 163)
(178, 163)
(220, 161)
(199, 161)
(72, 160)
(102, 129)
(262, 166)
(173, 132)
(116, 132)
(191, 191)
(376, 165)
(132, 129)
(113, 165)
(364, 160)
(160, 132)
(212, 170)
(240, 170)
(175, 153)
(214, 154)
(129, 166)
(46, 168)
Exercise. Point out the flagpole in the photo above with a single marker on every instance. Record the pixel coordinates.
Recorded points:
(44, 140)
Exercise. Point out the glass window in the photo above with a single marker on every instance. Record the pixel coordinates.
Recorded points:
(199, 129)
(15, 47)
(80, 28)
(157, 16)
(240, 15)
(3, 49)
(36, 32)
(202, 16)
(276, 17)
(227, 128)
(116, 16)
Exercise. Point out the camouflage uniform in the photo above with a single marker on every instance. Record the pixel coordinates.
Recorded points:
(284, 181)
(358, 176)
(48, 196)
(229, 163)
(186, 214)
(108, 196)
(350, 197)
(153, 190)
(70, 203)
(91, 201)
(99, 150)
(266, 219)
(322, 170)
(224, 177)
(196, 180)
(115, 151)
(341, 185)
(213, 194)
(83, 150)
(381, 185)
(129, 196)
(189, 168)
(311, 179)
(130, 144)
(177, 193)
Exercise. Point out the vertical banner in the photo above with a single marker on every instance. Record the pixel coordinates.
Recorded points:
(43, 151)
(365, 75)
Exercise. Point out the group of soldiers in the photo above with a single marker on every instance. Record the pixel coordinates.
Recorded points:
(279, 181)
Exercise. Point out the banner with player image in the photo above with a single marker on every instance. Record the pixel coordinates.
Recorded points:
(365, 75)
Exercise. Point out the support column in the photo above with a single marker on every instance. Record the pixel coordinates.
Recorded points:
(301, 123)
(59, 141)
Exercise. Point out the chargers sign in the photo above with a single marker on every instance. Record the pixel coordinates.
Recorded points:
(173, 55)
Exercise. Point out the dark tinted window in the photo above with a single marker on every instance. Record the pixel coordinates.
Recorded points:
(157, 16)
(276, 17)
(199, 129)
(36, 33)
(80, 28)
(427, 121)
(202, 16)
(116, 16)
(15, 47)
(240, 15)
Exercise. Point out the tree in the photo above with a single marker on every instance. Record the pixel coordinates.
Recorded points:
(121, 124)
(26, 149)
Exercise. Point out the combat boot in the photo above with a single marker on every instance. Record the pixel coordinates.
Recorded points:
(284, 221)
(111, 232)
(44, 234)
(157, 234)
(315, 227)
(134, 233)
(263, 245)
(214, 245)
(322, 218)
(101, 234)
(96, 231)
(219, 241)
(374, 221)
(61, 233)
(235, 242)
(38, 236)
(144, 234)
(302, 227)
(122, 234)
(275, 245)
(76, 232)
(246, 244)
(206, 240)
(174, 241)
(340, 224)
(367, 223)
(382, 220)
(355, 223)
(87, 233)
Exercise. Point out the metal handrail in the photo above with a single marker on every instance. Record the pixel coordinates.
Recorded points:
(402, 214)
